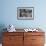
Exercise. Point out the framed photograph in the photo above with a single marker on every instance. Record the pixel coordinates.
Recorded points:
(25, 13)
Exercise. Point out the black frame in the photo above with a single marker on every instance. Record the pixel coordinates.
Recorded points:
(25, 13)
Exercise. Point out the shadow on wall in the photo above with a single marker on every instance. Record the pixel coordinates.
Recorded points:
(2, 26)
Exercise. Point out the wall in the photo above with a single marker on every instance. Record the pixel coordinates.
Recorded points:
(9, 13)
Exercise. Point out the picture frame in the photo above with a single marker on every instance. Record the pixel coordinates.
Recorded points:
(25, 13)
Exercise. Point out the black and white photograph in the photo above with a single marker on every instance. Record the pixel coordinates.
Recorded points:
(25, 13)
